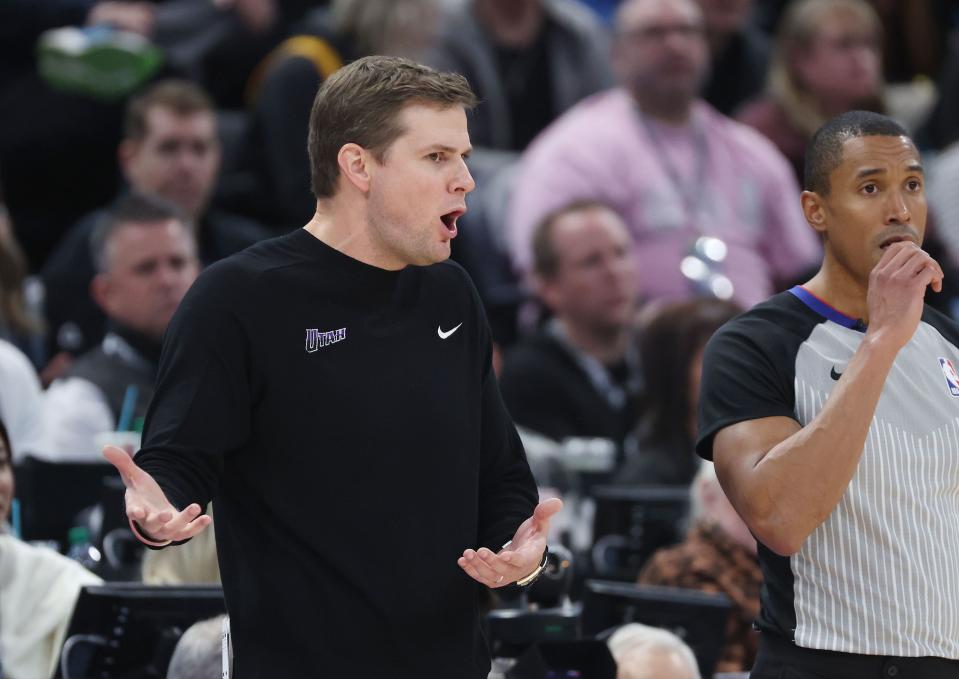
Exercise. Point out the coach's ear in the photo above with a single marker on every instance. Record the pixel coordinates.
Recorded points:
(356, 165)
(814, 210)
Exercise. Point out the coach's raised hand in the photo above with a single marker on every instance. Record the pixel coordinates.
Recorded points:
(520, 557)
(153, 519)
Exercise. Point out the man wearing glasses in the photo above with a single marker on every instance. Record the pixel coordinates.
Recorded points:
(703, 196)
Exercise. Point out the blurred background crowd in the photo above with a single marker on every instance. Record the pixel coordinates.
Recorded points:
(638, 167)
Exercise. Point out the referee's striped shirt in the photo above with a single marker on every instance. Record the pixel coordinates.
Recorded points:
(881, 575)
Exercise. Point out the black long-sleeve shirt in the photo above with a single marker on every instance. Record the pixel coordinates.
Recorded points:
(352, 453)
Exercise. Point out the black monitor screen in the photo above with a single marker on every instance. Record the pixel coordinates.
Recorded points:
(698, 618)
(75, 485)
(632, 522)
(126, 630)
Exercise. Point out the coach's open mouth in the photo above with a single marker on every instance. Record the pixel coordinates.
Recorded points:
(449, 220)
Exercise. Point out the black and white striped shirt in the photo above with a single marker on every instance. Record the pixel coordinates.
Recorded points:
(881, 575)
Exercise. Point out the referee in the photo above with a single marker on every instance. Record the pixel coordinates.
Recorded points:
(832, 414)
(331, 391)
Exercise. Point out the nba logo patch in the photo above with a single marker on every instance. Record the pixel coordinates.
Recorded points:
(952, 377)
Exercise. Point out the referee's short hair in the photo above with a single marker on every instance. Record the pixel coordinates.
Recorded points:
(824, 152)
(133, 208)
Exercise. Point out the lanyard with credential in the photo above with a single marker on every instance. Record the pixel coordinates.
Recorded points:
(702, 265)
(597, 373)
(691, 196)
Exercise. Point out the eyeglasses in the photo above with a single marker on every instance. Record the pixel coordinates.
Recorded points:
(659, 33)
(847, 43)
(702, 266)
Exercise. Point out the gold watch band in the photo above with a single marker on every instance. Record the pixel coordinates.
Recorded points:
(532, 577)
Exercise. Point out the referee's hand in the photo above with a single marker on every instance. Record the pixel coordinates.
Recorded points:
(149, 508)
(896, 293)
(520, 558)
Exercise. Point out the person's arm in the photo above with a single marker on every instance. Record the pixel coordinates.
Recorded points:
(785, 480)
(200, 411)
(507, 497)
(512, 527)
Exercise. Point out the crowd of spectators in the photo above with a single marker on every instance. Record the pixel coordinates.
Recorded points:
(638, 167)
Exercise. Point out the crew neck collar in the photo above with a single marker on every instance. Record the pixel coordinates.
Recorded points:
(826, 310)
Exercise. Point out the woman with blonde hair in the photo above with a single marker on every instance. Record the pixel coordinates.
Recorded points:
(827, 60)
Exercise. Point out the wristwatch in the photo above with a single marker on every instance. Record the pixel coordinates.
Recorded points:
(532, 577)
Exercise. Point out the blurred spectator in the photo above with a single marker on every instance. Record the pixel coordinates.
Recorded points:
(915, 37)
(169, 149)
(673, 167)
(18, 324)
(942, 128)
(52, 142)
(38, 588)
(136, 17)
(912, 22)
(605, 9)
(943, 195)
(192, 563)
(21, 400)
(527, 61)
(219, 44)
(22, 21)
(739, 50)
(580, 375)
(671, 347)
(273, 181)
(826, 61)
(643, 652)
(199, 652)
(145, 256)
(261, 26)
(718, 555)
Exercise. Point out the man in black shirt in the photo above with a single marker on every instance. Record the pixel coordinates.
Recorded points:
(146, 260)
(579, 377)
(831, 412)
(331, 391)
(170, 150)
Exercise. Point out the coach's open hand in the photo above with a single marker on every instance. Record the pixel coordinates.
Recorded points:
(149, 507)
(520, 558)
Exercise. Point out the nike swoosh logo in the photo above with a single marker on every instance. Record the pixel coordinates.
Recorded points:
(833, 374)
(444, 335)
